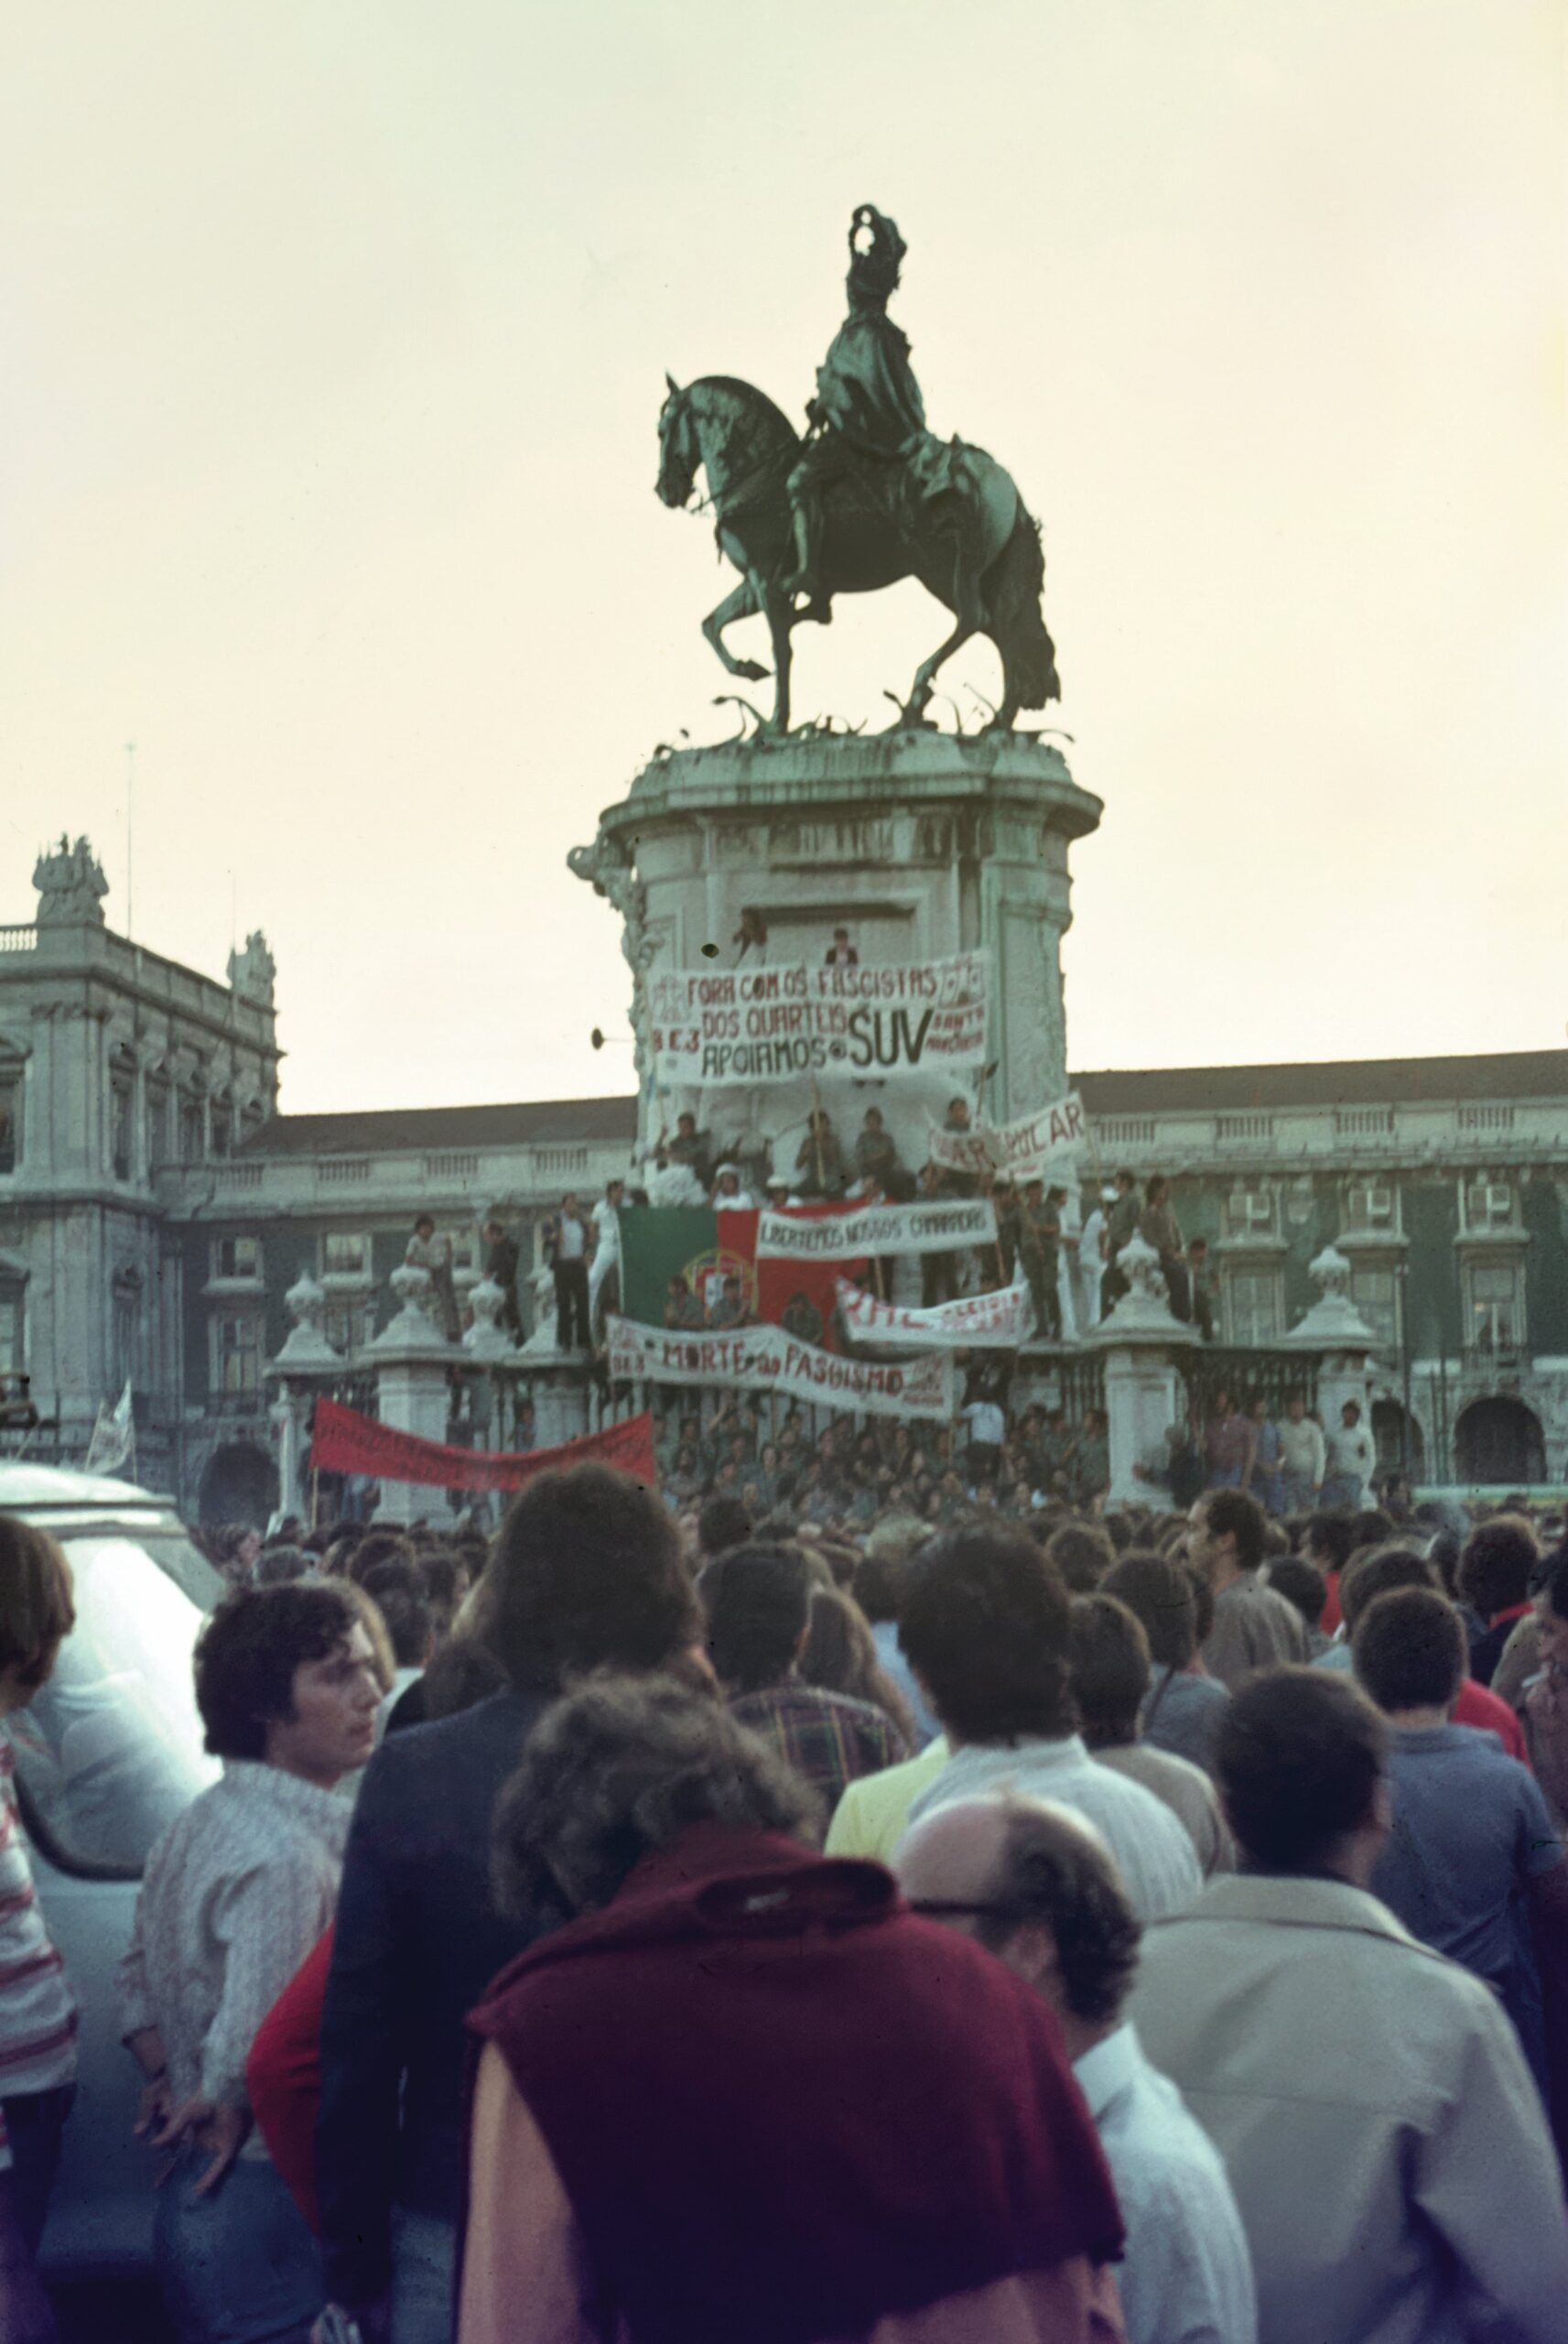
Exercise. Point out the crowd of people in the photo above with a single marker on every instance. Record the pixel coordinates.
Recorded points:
(687, 1916)
(1065, 1246)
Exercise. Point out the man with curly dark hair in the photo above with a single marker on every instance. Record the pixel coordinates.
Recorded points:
(1032, 1883)
(235, 1895)
(1498, 1563)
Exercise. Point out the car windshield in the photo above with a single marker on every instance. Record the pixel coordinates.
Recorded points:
(109, 1751)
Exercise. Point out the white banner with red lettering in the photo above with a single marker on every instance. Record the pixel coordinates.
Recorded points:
(763, 1024)
(998, 1321)
(1057, 1133)
(770, 1359)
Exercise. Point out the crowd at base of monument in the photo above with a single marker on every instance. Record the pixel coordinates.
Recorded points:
(604, 1921)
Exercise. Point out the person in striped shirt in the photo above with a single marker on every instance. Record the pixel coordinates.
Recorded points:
(38, 2012)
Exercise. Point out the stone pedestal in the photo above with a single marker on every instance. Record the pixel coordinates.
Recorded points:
(922, 844)
(305, 1364)
(1142, 1343)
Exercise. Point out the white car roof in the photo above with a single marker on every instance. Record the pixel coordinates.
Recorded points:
(52, 1489)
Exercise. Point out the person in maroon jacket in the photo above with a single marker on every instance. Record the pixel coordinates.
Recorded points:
(746, 2092)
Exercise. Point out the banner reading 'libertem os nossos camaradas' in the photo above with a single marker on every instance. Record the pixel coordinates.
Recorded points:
(769, 1359)
(714, 1027)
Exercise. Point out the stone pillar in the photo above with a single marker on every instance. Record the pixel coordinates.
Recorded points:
(1142, 1343)
(412, 1372)
(560, 1395)
(306, 1361)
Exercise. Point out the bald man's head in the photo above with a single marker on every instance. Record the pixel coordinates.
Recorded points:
(1039, 1888)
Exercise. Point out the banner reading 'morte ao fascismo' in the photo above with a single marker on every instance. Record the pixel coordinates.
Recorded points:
(767, 1359)
(768, 1024)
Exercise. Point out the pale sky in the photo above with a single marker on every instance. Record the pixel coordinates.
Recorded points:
(334, 343)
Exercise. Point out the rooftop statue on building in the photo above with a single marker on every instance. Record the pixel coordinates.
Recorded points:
(254, 972)
(868, 497)
(71, 885)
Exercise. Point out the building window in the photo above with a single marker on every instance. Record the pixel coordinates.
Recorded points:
(237, 1354)
(10, 1121)
(220, 1127)
(13, 1326)
(236, 1257)
(1249, 1209)
(1489, 1204)
(1253, 1305)
(1376, 1294)
(1496, 1306)
(349, 1322)
(192, 1128)
(1372, 1205)
(127, 1319)
(122, 1102)
(158, 1125)
(345, 1253)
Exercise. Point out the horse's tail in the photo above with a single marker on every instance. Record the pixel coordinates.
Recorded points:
(1018, 584)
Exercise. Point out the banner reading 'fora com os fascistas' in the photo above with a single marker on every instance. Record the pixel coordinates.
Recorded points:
(716, 1026)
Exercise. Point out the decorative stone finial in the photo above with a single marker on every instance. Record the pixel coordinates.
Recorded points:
(487, 1339)
(307, 1344)
(252, 972)
(71, 885)
(1144, 1310)
(1334, 1323)
(415, 1327)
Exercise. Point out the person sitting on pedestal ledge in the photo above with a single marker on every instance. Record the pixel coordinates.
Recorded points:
(819, 1160)
(841, 953)
(876, 1152)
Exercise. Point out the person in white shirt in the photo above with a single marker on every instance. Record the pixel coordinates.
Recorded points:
(1351, 1460)
(38, 2010)
(606, 1245)
(1090, 1264)
(235, 1895)
(1038, 1887)
(1303, 1457)
(566, 1241)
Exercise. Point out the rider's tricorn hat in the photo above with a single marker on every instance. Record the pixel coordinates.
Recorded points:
(876, 252)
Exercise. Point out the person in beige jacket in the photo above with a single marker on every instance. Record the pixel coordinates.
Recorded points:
(1382, 2133)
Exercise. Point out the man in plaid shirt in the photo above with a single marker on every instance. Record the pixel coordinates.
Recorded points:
(38, 2010)
(758, 1600)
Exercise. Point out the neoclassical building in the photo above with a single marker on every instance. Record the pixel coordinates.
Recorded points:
(154, 1209)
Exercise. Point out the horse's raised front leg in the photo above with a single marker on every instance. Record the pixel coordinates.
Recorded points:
(740, 604)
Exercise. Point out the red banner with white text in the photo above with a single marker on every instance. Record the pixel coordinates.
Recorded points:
(344, 1441)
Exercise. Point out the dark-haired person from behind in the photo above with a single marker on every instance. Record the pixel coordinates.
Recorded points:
(586, 1572)
(985, 1626)
(1473, 1848)
(744, 2094)
(235, 1895)
(1381, 2130)
(1184, 1703)
(1499, 1560)
(759, 1617)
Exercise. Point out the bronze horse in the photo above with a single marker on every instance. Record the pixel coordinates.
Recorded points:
(984, 562)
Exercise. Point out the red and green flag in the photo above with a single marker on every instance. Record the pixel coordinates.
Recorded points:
(661, 1241)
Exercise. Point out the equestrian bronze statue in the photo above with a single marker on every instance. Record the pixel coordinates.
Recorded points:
(867, 497)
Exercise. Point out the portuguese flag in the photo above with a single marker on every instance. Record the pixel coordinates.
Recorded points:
(661, 1241)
